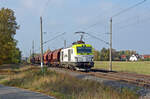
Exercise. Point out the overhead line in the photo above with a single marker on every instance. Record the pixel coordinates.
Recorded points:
(92, 25)
(117, 14)
(51, 40)
(98, 38)
(54, 38)
(125, 10)
(133, 24)
(129, 19)
(103, 11)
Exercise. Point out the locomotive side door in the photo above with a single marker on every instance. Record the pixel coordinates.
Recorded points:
(62, 56)
(69, 55)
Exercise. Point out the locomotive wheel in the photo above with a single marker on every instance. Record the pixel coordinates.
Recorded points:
(49, 65)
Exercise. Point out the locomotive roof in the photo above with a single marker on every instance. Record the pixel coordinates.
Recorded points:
(82, 45)
(79, 45)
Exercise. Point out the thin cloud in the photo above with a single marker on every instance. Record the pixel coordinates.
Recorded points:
(28, 3)
(40, 6)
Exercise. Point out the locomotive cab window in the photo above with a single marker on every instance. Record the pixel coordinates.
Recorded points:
(84, 49)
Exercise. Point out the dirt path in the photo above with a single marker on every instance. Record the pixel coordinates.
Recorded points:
(16, 93)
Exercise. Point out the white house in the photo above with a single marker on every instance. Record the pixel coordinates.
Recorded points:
(133, 58)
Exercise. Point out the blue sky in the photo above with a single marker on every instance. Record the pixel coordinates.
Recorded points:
(130, 29)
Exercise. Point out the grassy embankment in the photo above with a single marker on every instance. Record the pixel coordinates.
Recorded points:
(134, 67)
(62, 86)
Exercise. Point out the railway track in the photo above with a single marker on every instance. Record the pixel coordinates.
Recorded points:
(137, 79)
(132, 78)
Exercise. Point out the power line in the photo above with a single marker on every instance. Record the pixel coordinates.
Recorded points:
(99, 33)
(134, 23)
(115, 15)
(92, 25)
(51, 40)
(98, 38)
(129, 19)
(104, 11)
(125, 10)
(54, 38)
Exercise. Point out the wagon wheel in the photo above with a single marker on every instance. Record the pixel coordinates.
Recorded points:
(49, 65)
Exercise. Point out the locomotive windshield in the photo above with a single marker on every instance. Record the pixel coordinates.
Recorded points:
(84, 50)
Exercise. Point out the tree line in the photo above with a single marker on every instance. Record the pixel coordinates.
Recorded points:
(9, 53)
(103, 55)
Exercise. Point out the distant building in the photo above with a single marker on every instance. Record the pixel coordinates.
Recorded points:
(133, 58)
(146, 56)
(123, 58)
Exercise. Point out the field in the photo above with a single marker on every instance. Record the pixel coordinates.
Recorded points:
(61, 86)
(134, 67)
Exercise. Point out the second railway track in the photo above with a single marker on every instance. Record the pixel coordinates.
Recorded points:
(132, 78)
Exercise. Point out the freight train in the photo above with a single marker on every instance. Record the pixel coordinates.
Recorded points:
(77, 57)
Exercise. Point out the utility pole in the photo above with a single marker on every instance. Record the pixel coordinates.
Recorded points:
(115, 15)
(64, 43)
(33, 49)
(41, 43)
(110, 49)
(30, 56)
(30, 53)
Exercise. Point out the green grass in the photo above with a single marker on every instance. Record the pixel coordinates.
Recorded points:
(64, 86)
(141, 67)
